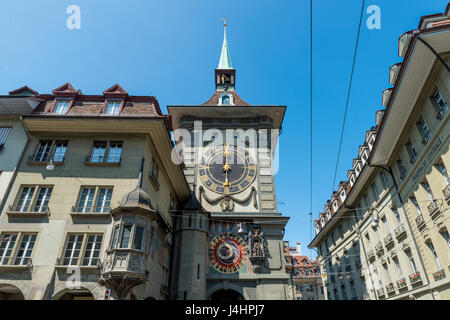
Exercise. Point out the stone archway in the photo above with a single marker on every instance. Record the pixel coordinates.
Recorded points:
(10, 292)
(226, 295)
(74, 294)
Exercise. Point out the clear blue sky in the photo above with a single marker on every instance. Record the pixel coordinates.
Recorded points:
(170, 49)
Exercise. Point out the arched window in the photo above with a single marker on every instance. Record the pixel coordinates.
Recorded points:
(226, 100)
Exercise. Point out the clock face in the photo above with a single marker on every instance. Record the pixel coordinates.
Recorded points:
(227, 169)
(227, 253)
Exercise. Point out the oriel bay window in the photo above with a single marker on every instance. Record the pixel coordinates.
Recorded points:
(82, 250)
(50, 150)
(105, 152)
(96, 199)
(30, 201)
(129, 236)
(18, 253)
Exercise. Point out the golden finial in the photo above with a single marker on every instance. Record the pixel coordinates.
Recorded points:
(224, 21)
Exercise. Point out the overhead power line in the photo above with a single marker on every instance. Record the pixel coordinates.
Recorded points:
(348, 95)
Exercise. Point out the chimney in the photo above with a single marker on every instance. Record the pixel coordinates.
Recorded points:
(299, 249)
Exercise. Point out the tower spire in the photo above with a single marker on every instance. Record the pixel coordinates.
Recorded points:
(225, 58)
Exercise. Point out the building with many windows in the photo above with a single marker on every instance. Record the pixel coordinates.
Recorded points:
(389, 223)
(91, 200)
(306, 282)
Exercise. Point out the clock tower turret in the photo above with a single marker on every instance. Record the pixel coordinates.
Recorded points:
(225, 74)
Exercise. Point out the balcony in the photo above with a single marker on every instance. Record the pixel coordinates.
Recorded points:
(415, 278)
(446, 192)
(400, 231)
(388, 240)
(420, 221)
(401, 284)
(27, 211)
(124, 263)
(433, 209)
(97, 211)
(380, 292)
(111, 161)
(390, 288)
(379, 248)
(439, 275)
(371, 254)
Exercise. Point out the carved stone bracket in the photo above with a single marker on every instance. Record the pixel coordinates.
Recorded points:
(227, 201)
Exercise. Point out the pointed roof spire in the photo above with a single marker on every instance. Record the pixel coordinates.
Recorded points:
(225, 58)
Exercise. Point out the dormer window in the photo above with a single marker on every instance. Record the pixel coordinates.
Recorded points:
(113, 107)
(225, 98)
(322, 222)
(342, 195)
(335, 206)
(61, 106)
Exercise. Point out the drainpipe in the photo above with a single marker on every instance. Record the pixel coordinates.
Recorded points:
(389, 169)
(364, 249)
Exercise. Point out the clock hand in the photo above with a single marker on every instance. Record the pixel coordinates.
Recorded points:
(226, 168)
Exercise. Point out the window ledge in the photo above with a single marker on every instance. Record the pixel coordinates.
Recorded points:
(41, 163)
(27, 214)
(13, 268)
(85, 269)
(89, 214)
(102, 164)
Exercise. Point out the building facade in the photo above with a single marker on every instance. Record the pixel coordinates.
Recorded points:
(90, 206)
(227, 147)
(306, 280)
(391, 217)
(103, 205)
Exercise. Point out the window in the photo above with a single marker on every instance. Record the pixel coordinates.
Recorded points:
(49, 147)
(6, 247)
(398, 267)
(153, 175)
(23, 203)
(352, 285)
(126, 234)
(60, 151)
(401, 168)
(411, 151)
(92, 251)
(113, 108)
(115, 150)
(411, 261)
(43, 150)
(115, 236)
(138, 243)
(384, 179)
(86, 246)
(4, 132)
(73, 249)
(416, 205)
(25, 249)
(366, 199)
(443, 170)
(42, 199)
(26, 195)
(103, 200)
(397, 215)
(344, 292)
(446, 237)
(375, 191)
(98, 151)
(433, 251)
(424, 130)
(427, 188)
(61, 106)
(85, 200)
(226, 99)
(386, 225)
(440, 104)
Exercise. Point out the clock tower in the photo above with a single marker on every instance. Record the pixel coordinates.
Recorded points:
(230, 235)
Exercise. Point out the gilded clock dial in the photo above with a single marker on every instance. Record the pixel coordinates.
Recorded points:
(227, 169)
